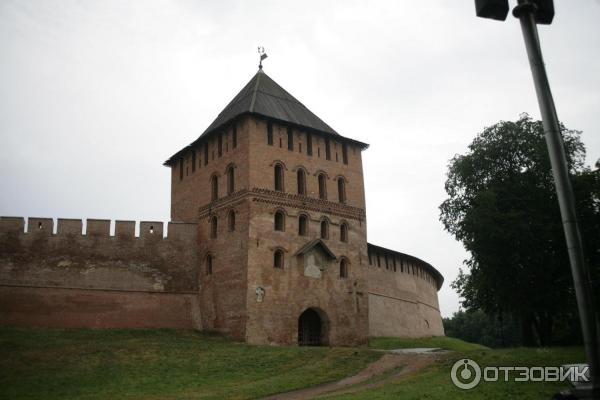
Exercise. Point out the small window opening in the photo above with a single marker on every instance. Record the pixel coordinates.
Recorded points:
(270, 133)
(213, 227)
(324, 229)
(278, 259)
(214, 183)
(231, 221)
(343, 268)
(322, 187)
(209, 264)
(341, 190)
(290, 138)
(344, 232)
(301, 175)
(303, 225)
(278, 170)
(230, 180)
(279, 221)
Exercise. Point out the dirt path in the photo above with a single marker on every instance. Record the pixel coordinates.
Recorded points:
(387, 368)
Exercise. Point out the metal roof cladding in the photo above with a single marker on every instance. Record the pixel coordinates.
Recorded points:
(262, 96)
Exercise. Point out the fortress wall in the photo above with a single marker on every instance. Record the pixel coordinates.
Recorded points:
(84, 308)
(402, 302)
(97, 280)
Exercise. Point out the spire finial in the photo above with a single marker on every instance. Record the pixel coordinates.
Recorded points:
(262, 54)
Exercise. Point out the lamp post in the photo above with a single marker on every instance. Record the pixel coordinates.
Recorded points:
(530, 13)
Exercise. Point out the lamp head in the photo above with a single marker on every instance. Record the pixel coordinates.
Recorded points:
(493, 9)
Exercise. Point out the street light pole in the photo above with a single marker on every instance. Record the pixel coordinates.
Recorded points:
(526, 11)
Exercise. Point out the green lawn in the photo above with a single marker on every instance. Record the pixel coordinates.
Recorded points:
(448, 343)
(166, 364)
(159, 364)
(434, 382)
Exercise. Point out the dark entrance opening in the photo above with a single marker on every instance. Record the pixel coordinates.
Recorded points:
(310, 328)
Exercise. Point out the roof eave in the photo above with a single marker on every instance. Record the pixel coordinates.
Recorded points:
(334, 135)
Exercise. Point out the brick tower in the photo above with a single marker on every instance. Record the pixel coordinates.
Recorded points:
(278, 196)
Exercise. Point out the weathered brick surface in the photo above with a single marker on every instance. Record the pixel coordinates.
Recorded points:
(223, 292)
(33, 263)
(243, 260)
(402, 302)
(194, 190)
(98, 280)
(77, 308)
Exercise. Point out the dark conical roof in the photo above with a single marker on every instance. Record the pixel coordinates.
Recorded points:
(264, 97)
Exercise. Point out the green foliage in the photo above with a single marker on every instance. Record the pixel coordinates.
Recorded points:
(478, 327)
(434, 382)
(442, 342)
(159, 364)
(502, 206)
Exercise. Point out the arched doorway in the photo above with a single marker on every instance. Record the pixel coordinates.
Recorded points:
(311, 328)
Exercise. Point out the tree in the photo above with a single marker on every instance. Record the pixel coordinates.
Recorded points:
(477, 327)
(502, 206)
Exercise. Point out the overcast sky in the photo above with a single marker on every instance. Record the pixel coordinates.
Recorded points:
(95, 95)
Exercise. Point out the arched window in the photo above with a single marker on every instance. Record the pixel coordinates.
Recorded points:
(278, 170)
(343, 268)
(344, 232)
(230, 180)
(279, 221)
(322, 187)
(324, 229)
(213, 227)
(301, 181)
(278, 258)
(231, 221)
(209, 264)
(341, 190)
(302, 225)
(214, 185)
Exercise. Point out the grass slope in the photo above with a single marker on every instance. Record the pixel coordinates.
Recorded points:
(448, 343)
(434, 383)
(159, 364)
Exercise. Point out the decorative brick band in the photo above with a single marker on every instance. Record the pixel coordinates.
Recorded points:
(285, 200)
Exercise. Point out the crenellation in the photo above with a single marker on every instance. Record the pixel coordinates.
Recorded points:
(98, 227)
(69, 226)
(151, 229)
(125, 229)
(40, 226)
(12, 224)
(267, 235)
